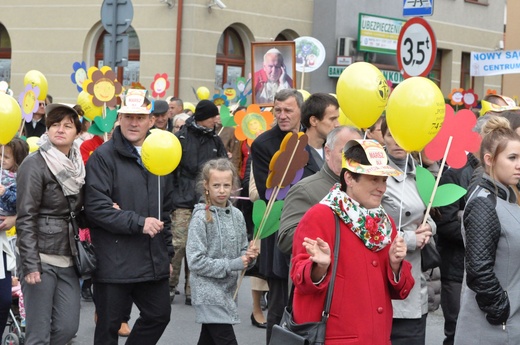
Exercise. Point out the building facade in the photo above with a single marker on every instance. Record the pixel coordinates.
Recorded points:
(198, 43)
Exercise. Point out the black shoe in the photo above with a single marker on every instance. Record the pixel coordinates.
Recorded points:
(256, 323)
(86, 294)
(188, 300)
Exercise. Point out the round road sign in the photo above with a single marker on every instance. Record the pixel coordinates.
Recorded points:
(416, 48)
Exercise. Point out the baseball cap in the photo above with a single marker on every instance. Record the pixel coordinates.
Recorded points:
(53, 106)
(376, 156)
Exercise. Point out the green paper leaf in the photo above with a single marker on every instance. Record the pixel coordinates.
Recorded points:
(445, 195)
(272, 223)
(106, 124)
(94, 129)
(226, 118)
(425, 182)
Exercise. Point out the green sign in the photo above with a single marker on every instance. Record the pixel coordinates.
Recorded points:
(378, 34)
(335, 71)
(394, 76)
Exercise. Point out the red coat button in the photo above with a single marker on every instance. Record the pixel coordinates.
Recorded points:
(375, 263)
(380, 310)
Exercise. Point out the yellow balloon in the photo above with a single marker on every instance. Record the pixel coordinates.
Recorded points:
(91, 111)
(305, 94)
(36, 78)
(415, 113)
(190, 106)
(362, 93)
(202, 93)
(10, 118)
(33, 143)
(161, 152)
(344, 120)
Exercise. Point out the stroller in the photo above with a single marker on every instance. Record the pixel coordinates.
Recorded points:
(16, 333)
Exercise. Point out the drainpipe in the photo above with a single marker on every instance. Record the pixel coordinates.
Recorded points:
(178, 40)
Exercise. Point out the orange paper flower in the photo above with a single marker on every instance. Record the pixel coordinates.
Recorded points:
(252, 122)
(456, 96)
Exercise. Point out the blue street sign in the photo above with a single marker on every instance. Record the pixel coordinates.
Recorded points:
(414, 8)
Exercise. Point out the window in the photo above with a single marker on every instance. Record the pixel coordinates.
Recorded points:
(435, 74)
(129, 74)
(466, 81)
(5, 55)
(230, 58)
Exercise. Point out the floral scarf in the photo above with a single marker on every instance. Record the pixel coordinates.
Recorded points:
(372, 226)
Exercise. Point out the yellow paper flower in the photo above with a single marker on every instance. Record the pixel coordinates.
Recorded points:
(103, 86)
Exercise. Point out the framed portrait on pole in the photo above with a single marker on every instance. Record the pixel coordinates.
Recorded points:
(274, 69)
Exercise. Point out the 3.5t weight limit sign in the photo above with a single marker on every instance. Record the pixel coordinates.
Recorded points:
(416, 48)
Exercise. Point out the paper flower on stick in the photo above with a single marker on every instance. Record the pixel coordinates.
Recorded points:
(252, 122)
(272, 222)
(491, 92)
(470, 98)
(446, 194)
(28, 101)
(103, 86)
(220, 99)
(286, 166)
(460, 127)
(79, 75)
(456, 97)
(159, 85)
(230, 92)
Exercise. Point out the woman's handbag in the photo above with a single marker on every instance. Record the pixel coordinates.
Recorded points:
(85, 258)
(430, 257)
(309, 333)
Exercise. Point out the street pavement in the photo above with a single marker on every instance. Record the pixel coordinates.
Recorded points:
(183, 330)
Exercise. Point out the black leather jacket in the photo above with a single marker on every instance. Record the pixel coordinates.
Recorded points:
(42, 225)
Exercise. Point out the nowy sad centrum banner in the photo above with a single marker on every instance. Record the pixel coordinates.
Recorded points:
(495, 63)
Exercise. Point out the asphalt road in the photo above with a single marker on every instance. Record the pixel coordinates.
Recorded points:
(184, 331)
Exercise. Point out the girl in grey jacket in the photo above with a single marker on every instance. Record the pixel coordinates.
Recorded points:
(217, 250)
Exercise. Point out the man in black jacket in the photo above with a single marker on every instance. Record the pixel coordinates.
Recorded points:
(272, 262)
(133, 242)
(199, 144)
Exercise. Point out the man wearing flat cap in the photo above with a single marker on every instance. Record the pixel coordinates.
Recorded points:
(161, 114)
(199, 144)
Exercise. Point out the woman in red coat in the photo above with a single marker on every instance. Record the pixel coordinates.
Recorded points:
(371, 270)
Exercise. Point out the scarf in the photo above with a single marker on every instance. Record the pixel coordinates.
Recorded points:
(372, 226)
(69, 171)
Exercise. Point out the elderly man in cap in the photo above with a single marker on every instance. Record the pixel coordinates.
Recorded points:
(199, 144)
(161, 115)
(133, 242)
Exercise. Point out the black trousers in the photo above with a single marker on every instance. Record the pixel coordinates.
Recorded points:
(409, 331)
(450, 304)
(152, 298)
(217, 334)
(278, 297)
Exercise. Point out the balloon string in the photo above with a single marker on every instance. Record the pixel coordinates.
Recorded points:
(159, 196)
(2, 164)
(402, 196)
